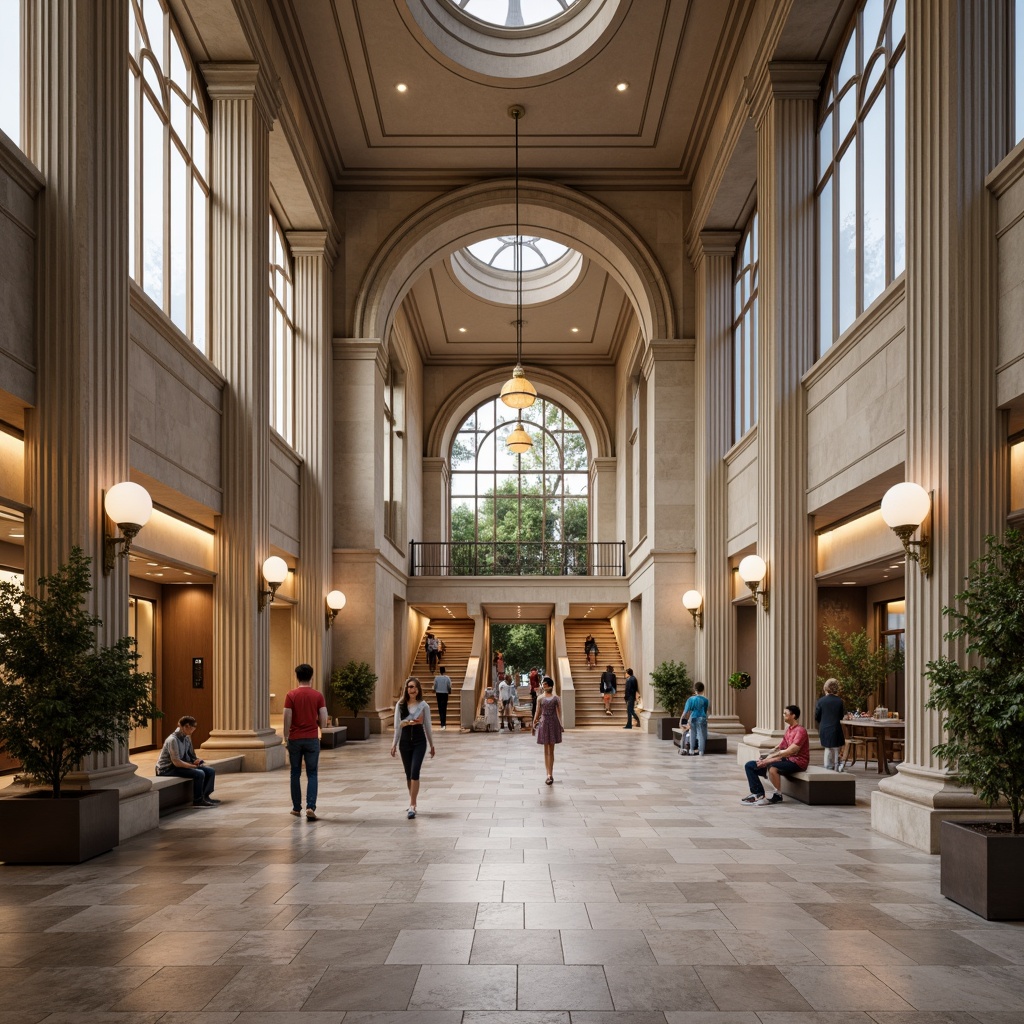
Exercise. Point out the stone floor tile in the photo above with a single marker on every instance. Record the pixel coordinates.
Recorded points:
(689, 916)
(750, 988)
(653, 988)
(499, 915)
(941, 946)
(432, 946)
(469, 987)
(268, 988)
(606, 946)
(516, 1017)
(421, 915)
(366, 947)
(1007, 942)
(81, 948)
(516, 946)
(177, 988)
(182, 949)
(857, 948)
(368, 988)
(843, 988)
(552, 987)
(337, 917)
(288, 1017)
(931, 1017)
(710, 1017)
(954, 988)
(620, 915)
(561, 915)
(688, 947)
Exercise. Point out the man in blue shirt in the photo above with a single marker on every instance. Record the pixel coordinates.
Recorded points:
(697, 708)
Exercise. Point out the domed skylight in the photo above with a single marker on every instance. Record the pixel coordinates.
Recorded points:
(513, 13)
(500, 252)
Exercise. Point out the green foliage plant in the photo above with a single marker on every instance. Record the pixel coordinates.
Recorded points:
(860, 670)
(982, 706)
(739, 680)
(62, 697)
(672, 685)
(353, 685)
(523, 644)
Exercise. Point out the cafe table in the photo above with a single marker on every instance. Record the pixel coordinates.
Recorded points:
(879, 729)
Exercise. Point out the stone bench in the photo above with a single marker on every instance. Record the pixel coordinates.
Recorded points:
(333, 736)
(175, 792)
(717, 743)
(820, 786)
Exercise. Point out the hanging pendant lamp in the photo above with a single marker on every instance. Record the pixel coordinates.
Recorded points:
(518, 392)
(519, 440)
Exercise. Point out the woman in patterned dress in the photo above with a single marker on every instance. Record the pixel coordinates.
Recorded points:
(549, 714)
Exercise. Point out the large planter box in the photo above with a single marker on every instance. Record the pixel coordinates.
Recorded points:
(665, 727)
(358, 728)
(982, 871)
(36, 829)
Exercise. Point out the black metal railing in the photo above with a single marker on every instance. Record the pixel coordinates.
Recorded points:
(517, 558)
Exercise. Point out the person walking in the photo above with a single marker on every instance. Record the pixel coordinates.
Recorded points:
(696, 707)
(549, 715)
(442, 691)
(632, 689)
(609, 684)
(412, 737)
(178, 757)
(828, 713)
(489, 708)
(535, 676)
(590, 650)
(507, 696)
(305, 710)
(432, 647)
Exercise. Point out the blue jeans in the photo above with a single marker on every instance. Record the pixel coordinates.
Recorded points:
(631, 714)
(202, 778)
(755, 774)
(307, 750)
(699, 734)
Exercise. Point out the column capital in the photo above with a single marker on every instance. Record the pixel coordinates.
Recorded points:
(785, 80)
(313, 243)
(243, 80)
(712, 243)
(667, 350)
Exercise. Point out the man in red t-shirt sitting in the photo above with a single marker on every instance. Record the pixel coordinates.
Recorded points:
(305, 710)
(793, 754)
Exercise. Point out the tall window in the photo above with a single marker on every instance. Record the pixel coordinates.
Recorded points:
(744, 332)
(282, 335)
(862, 168)
(168, 176)
(394, 434)
(538, 496)
(10, 70)
(1018, 70)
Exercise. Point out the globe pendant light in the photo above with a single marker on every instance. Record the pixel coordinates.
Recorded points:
(518, 392)
(519, 440)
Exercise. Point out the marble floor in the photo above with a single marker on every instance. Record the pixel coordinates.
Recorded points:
(636, 889)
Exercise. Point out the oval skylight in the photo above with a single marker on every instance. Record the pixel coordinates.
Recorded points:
(513, 13)
(500, 252)
(488, 269)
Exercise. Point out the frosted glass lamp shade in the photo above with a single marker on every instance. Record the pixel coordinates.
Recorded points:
(518, 392)
(905, 504)
(692, 600)
(752, 569)
(335, 600)
(128, 503)
(519, 440)
(275, 571)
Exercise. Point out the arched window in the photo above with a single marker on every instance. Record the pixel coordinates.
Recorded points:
(282, 335)
(862, 168)
(168, 175)
(744, 331)
(1018, 70)
(527, 501)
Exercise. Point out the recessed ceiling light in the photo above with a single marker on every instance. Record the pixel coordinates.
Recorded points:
(462, 330)
(896, 566)
(575, 330)
(402, 87)
(622, 86)
(17, 535)
(849, 583)
(187, 574)
(152, 563)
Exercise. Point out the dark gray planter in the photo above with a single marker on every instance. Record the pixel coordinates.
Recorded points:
(982, 872)
(358, 728)
(665, 727)
(36, 829)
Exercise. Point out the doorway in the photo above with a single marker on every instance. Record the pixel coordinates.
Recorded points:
(142, 628)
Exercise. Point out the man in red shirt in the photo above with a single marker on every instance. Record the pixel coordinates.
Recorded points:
(792, 754)
(305, 711)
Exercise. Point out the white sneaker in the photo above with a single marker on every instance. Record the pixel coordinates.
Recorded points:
(761, 802)
(444, 728)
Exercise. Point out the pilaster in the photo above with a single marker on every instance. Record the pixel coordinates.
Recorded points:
(244, 108)
(713, 256)
(436, 477)
(313, 254)
(958, 129)
(783, 102)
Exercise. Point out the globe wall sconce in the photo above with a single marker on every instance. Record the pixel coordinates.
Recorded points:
(275, 571)
(335, 602)
(904, 508)
(693, 603)
(128, 506)
(752, 571)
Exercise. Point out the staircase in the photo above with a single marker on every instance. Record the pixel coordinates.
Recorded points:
(457, 635)
(589, 705)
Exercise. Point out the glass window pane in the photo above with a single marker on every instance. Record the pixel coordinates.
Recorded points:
(486, 453)
(152, 203)
(463, 483)
(825, 324)
(847, 192)
(199, 278)
(898, 22)
(132, 170)
(179, 240)
(179, 116)
(871, 25)
(10, 70)
(848, 66)
(899, 167)
(825, 148)
(847, 112)
(153, 16)
(485, 416)
(873, 218)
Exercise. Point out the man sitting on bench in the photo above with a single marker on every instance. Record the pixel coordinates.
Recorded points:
(793, 754)
(178, 757)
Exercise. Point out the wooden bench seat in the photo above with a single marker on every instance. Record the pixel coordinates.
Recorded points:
(718, 743)
(817, 785)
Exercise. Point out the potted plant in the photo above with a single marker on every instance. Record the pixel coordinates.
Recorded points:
(353, 686)
(860, 670)
(739, 680)
(672, 685)
(62, 698)
(982, 708)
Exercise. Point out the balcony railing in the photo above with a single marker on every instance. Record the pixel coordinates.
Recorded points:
(517, 558)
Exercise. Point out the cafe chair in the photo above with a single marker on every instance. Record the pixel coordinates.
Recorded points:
(859, 748)
(894, 751)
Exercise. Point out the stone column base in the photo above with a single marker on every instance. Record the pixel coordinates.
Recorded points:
(730, 725)
(754, 744)
(262, 750)
(911, 805)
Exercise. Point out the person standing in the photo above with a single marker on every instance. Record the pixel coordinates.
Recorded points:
(499, 667)
(696, 707)
(828, 713)
(609, 684)
(178, 758)
(534, 687)
(632, 689)
(549, 714)
(590, 650)
(305, 711)
(412, 737)
(442, 691)
(489, 708)
(507, 696)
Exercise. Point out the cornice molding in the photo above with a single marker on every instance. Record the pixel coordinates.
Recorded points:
(243, 80)
(783, 80)
(14, 163)
(313, 243)
(712, 243)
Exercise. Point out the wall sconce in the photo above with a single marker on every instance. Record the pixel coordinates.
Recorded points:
(692, 602)
(129, 506)
(335, 602)
(275, 571)
(904, 508)
(752, 571)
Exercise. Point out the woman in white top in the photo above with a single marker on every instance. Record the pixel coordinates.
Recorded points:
(412, 736)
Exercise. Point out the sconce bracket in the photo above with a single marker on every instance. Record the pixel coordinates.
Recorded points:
(111, 544)
(923, 553)
(760, 596)
(698, 617)
(267, 596)
(330, 615)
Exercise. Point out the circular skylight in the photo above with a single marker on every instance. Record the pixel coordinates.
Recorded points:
(513, 13)
(500, 252)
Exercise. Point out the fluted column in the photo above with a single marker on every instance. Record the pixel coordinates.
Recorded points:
(712, 255)
(313, 253)
(782, 104)
(244, 107)
(958, 129)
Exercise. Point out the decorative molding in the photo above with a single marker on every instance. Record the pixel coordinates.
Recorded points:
(243, 80)
(19, 168)
(783, 80)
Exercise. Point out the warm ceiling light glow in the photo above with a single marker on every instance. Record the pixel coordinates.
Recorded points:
(402, 87)
(622, 86)
(462, 330)
(575, 330)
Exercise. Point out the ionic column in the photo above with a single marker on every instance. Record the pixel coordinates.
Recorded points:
(244, 107)
(958, 129)
(782, 104)
(712, 255)
(313, 253)
(76, 437)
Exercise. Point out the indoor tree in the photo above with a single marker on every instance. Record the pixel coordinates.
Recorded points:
(672, 685)
(860, 670)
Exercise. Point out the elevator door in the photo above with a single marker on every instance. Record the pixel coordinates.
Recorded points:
(142, 626)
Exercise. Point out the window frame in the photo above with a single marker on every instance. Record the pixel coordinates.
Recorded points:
(745, 326)
(281, 333)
